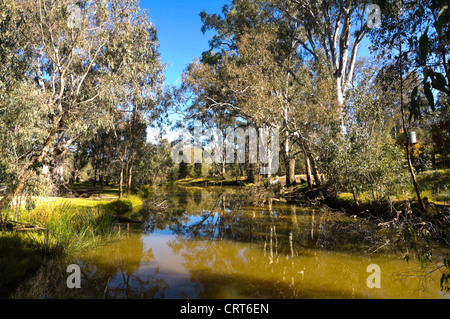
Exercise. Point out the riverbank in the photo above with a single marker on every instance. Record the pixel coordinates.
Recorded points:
(62, 225)
(235, 242)
(88, 218)
(434, 186)
(233, 181)
(399, 216)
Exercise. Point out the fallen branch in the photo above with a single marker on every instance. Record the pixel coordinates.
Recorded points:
(17, 226)
(28, 228)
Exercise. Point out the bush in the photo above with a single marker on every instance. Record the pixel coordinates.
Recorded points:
(435, 185)
(358, 165)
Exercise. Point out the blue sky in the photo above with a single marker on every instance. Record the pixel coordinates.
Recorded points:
(179, 31)
(180, 37)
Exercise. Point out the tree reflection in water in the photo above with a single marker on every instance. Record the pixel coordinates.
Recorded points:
(249, 250)
(226, 243)
(107, 272)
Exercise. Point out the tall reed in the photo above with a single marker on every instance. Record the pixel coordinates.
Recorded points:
(70, 228)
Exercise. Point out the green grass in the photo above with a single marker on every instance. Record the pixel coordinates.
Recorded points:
(76, 223)
(302, 186)
(71, 224)
(435, 185)
(69, 227)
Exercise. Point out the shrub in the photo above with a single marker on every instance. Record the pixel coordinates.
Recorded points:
(359, 165)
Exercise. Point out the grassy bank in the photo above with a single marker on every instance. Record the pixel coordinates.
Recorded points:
(72, 224)
(69, 225)
(434, 187)
(230, 181)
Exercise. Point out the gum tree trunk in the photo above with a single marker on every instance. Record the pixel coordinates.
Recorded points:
(308, 172)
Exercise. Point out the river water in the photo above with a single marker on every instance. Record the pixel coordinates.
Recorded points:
(229, 243)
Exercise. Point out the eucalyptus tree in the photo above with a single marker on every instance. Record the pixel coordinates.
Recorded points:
(154, 164)
(255, 70)
(333, 29)
(13, 66)
(418, 32)
(367, 159)
(21, 122)
(138, 91)
(423, 27)
(81, 54)
(217, 97)
(271, 87)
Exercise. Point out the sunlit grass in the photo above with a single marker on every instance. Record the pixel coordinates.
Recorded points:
(74, 223)
(70, 225)
(196, 180)
(434, 185)
(69, 228)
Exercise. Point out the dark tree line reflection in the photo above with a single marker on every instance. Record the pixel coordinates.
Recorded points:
(253, 250)
(227, 214)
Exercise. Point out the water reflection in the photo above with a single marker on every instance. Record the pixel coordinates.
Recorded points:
(213, 243)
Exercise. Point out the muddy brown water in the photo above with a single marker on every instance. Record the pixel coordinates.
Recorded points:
(217, 243)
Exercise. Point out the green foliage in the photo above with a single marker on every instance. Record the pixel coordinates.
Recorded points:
(445, 282)
(153, 163)
(357, 165)
(145, 191)
(12, 65)
(424, 29)
(366, 159)
(445, 278)
(434, 185)
(184, 170)
(435, 181)
(22, 128)
(198, 172)
(430, 258)
(57, 88)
